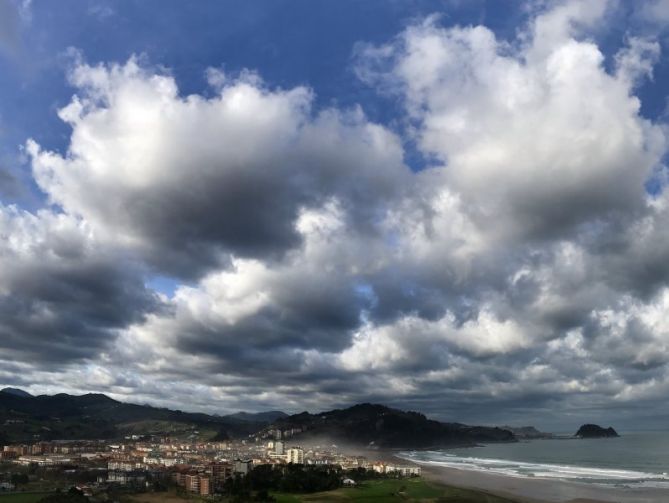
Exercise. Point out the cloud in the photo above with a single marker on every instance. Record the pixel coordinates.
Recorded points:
(252, 318)
(188, 181)
(425, 344)
(655, 11)
(536, 139)
(62, 297)
(633, 333)
(523, 269)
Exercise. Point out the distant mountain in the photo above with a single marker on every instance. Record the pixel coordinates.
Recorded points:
(16, 392)
(595, 431)
(258, 417)
(379, 426)
(96, 416)
(527, 432)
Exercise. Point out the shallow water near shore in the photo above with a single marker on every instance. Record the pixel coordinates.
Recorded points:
(634, 460)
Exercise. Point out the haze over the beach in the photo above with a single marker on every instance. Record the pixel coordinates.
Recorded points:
(459, 208)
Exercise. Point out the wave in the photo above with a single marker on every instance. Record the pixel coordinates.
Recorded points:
(538, 470)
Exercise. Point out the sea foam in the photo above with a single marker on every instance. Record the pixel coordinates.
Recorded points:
(539, 470)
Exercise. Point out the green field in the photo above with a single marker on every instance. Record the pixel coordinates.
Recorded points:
(373, 491)
(413, 490)
(22, 497)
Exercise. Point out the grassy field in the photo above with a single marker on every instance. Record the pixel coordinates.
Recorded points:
(22, 497)
(412, 490)
(374, 491)
(166, 497)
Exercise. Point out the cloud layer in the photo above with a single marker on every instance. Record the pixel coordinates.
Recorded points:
(523, 268)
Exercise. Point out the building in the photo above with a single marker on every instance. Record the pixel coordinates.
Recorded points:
(198, 484)
(45, 460)
(295, 455)
(243, 466)
(121, 466)
(402, 471)
(151, 460)
(219, 473)
(179, 478)
(41, 448)
(205, 486)
(19, 450)
(192, 483)
(126, 478)
(278, 447)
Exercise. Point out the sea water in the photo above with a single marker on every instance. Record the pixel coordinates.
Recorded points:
(631, 460)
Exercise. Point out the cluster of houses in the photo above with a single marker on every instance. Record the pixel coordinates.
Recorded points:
(200, 468)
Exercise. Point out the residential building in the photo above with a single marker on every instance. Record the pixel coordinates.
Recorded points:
(278, 447)
(243, 466)
(295, 455)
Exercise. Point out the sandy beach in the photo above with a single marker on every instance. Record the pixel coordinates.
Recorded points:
(521, 489)
(528, 490)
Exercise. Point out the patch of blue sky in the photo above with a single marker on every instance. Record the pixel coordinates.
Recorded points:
(288, 42)
(164, 284)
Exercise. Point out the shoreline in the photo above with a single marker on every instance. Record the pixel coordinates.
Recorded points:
(515, 488)
(536, 490)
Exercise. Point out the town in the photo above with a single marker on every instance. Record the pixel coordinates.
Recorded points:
(94, 469)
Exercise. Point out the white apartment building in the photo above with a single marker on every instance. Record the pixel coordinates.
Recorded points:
(295, 455)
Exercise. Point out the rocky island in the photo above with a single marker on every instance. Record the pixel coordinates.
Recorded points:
(595, 431)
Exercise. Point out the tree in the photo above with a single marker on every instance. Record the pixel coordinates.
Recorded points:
(19, 479)
(71, 496)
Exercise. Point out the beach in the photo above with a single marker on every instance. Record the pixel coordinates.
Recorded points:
(537, 490)
(518, 489)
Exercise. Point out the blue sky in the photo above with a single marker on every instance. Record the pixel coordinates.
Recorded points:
(453, 206)
(289, 43)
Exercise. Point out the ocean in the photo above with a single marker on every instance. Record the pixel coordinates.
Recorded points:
(638, 459)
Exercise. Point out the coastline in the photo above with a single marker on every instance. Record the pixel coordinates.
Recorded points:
(537, 490)
(517, 489)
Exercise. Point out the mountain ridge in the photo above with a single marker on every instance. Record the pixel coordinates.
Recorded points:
(267, 416)
(98, 416)
(95, 415)
(380, 426)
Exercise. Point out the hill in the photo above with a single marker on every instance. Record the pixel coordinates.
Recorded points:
(258, 417)
(96, 416)
(595, 431)
(16, 392)
(379, 426)
(527, 432)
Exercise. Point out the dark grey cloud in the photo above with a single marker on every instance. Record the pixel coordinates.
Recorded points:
(61, 297)
(62, 315)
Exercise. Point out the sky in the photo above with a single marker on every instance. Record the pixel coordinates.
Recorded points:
(454, 207)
